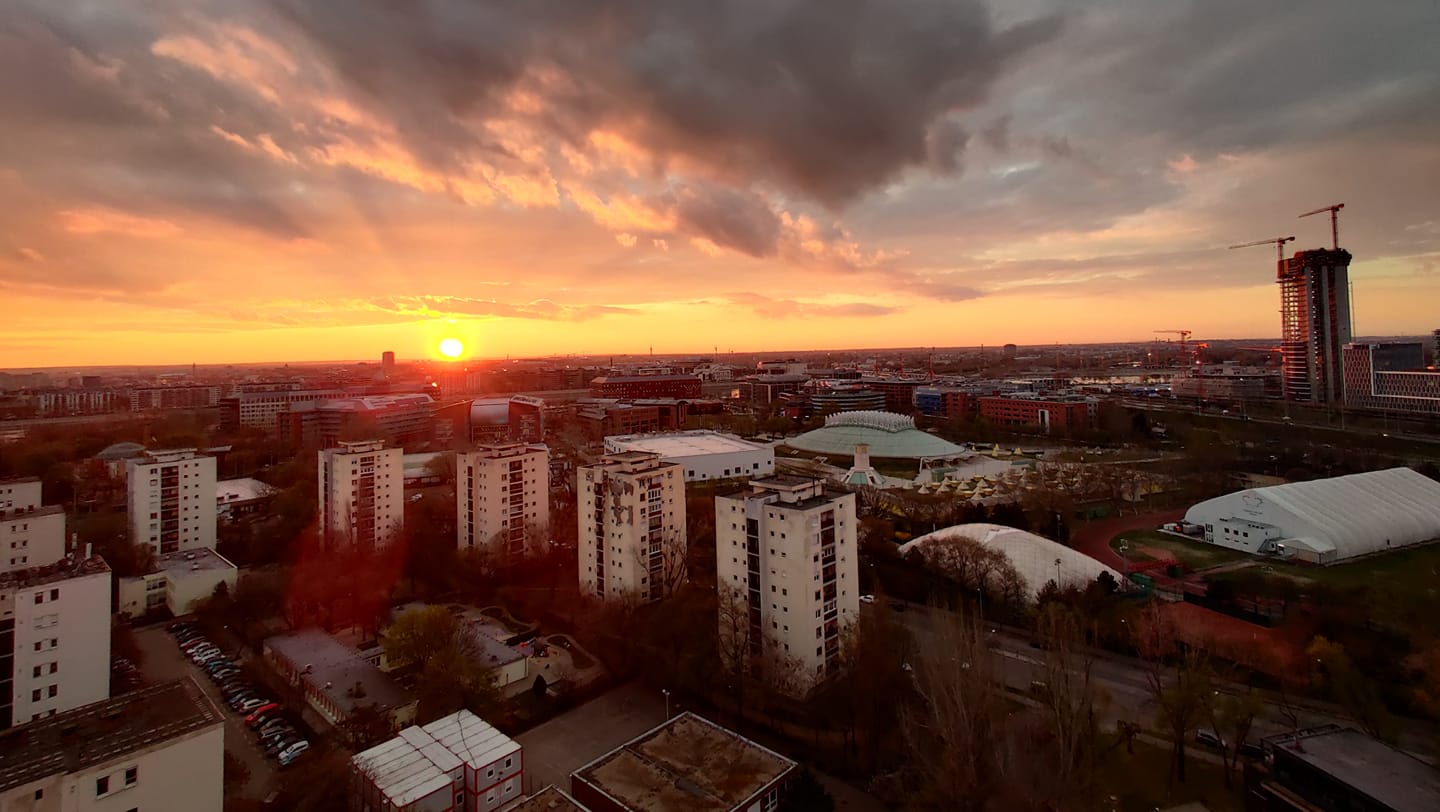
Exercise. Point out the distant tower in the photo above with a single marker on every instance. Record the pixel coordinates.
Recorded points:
(387, 361)
(1314, 323)
(1010, 351)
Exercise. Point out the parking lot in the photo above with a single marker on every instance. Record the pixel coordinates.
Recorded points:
(164, 662)
(570, 741)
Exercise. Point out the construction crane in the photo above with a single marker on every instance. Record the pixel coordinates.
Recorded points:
(1279, 243)
(1184, 335)
(1334, 222)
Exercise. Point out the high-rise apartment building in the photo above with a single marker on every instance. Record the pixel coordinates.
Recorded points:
(631, 510)
(161, 747)
(1314, 324)
(31, 534)
(171, 496)
(54, 639)
(787, 569)
(361, 505)
(502, 499)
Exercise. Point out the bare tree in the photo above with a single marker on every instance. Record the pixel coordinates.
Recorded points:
(1231, 717)
(737, 654)
(1070, 699)
(1179, 679)
(958, 732)
(663, 561)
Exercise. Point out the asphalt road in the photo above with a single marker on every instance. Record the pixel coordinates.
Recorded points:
(163, 662)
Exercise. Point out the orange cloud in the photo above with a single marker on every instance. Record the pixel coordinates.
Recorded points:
(108, 221)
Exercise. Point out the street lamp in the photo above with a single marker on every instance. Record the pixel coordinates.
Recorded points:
(666, 692)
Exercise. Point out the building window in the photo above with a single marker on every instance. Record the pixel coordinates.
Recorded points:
(54, 689)
(102, 785)
(131, 776)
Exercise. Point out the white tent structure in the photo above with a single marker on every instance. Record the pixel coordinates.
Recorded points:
(1037, 559)
(1328, 520)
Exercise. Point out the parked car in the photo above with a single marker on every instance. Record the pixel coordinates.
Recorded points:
(252, 703)
(279, 743)
(1252, 751)
(259, 713)
(867, 598)
(176, 626)
(296, 750)
(274, 726)
(194, 642)
(237, 702)
(1208, 738)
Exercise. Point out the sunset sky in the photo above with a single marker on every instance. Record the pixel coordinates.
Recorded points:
(253, 180)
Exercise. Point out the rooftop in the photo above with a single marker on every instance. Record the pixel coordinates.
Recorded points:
(28, 512)
(550, 799)
(418, 761)
(20, 480)
(103, 731)
(889, 435)
(245, 489)
(200, 558)
(1397, 780)
(62, 570)
(685, 764)
(337, 670)
(680, 444)
(604, 379)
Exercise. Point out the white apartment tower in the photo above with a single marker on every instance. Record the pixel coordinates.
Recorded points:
(31, 534)
(631, 509)
(502, 498)
(161, 747)
(171, 499)
(362, 496)
(787, 569)
(54, 639)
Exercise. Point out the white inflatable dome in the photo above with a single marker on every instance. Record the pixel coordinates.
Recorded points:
(1034, 557)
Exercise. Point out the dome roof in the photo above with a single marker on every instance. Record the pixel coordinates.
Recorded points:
(121, 451)
(889, 435)
(1034, 557)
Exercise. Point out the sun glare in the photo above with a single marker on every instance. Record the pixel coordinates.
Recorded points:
(451, 348)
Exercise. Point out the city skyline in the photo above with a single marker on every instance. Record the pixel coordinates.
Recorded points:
(230, 183)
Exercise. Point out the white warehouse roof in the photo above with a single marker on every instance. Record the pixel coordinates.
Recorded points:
(677, 445)
(1034, 557)
(1345, 516)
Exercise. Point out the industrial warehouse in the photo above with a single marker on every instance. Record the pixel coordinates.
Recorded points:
(1325, 521)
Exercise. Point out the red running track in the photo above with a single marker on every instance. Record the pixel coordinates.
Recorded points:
(1093, 539)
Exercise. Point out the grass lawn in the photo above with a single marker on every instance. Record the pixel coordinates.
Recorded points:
(1404, 571)
(1194, 554)
(1140, 782)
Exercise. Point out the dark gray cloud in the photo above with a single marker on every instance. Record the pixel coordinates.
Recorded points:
(822, 99)
(732, 219)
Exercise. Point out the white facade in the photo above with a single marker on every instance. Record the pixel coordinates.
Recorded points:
(180, 581)
(171, 496)
(502, 499)
(31, 534)
(60, 646)
(362, 493)
(1327, 520)
(631, 510)
(705, 455)
(126, 761)
(457, 762)
(788, 572)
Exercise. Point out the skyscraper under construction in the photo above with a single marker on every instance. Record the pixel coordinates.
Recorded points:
(1315, 324)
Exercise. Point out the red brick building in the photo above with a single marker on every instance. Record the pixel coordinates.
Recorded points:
(646, 386)
(1055, 413)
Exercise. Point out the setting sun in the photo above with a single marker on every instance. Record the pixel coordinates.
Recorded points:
(451, 348)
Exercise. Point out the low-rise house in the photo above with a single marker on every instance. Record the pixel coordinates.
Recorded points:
(335, 679)
(457, 762)
(179, 581)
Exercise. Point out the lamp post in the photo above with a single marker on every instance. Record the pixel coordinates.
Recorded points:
(666, 692)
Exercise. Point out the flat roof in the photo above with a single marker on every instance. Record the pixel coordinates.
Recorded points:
(550, 799)
(604, 379)
(681, 444)
(686, 764)
(199, 558)
(244, 489)
(103, 731)
(28, 512)
(335, 669)
(62, 570)
(19, 480)
(1369, 766)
